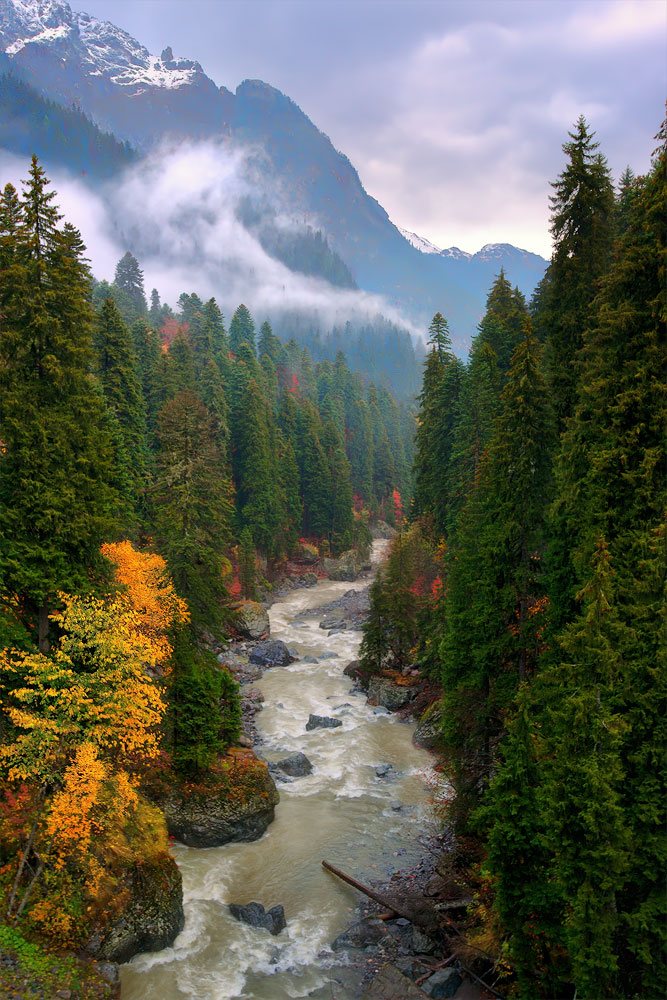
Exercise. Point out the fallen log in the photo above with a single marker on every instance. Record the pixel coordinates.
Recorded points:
(367, 891)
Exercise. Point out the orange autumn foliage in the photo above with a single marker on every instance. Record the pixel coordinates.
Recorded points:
(149, 594)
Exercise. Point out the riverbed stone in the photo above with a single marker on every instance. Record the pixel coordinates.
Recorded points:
(255, 915)
(296, 765)
(271, 653)
(382, 770)
(212, 815)
(347, 567)
(361, 934)
(442, 984)
(252, 620)
(384, 692)
(322, 722)
(329, 655)
(390, 984)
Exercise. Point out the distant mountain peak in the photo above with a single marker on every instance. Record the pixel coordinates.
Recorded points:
(419, 242)
(102, 49)
(425, 246)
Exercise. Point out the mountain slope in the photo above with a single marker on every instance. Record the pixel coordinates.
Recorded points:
(74, 58)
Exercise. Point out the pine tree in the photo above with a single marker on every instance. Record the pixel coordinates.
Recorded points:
(193, 508)
(254, 470)
(117, 372)
(56, 504)
(241, 330)
(205, 707)
(582, 228)
(247, 565)
(129, 280)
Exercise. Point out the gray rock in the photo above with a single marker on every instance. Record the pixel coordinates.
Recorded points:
(322, 722)
(252, 620)
(443, 983)
(210, 819)
(380, 710)
(150, 920)
(347, 567)
(382, 691)
(397, 807)
(428, 732)
(360, 935)
(296, 765)
(352, 669)
(255, 915)
(382, 530)
(271, 653)
(329, 655)
(382, 770)
(108, 971)
(309, 659)
(421, 943)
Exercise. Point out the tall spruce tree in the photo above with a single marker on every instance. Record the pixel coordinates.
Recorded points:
(56, 502)
(117, 371)
(192, 503)
(582, 226)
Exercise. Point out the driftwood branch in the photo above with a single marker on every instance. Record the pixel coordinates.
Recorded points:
(389, 904)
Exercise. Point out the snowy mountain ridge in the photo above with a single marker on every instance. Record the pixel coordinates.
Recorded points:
(103, 49)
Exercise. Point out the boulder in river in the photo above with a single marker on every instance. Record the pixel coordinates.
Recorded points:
(296, 765)
(382, 770)
(322, 722)
(383, 691)
(236, 802)
(271, 653)
(252, 620)
(255, 915)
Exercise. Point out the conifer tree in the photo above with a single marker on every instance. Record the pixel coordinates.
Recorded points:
(129, 281)
(254, 470)
(241, 330)
(56, 502)
(193, 508)
(582, 228)
(117, 372)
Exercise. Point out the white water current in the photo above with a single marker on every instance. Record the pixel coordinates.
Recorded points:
(342, 812)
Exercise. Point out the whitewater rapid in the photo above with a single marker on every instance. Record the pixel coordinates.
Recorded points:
(342, 812)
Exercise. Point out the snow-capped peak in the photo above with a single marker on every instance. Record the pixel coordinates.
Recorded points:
(102, 49)
(418, 242)
(425, 246)
(455, 254)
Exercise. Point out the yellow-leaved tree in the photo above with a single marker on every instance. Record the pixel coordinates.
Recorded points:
(78, 721)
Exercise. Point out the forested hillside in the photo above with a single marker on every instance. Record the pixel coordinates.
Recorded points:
(529, 587)
(155, 469)
(64, 137)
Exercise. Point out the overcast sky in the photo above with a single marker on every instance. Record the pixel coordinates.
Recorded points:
(452, 111)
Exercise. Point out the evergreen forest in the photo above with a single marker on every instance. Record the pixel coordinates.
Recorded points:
(528, 586)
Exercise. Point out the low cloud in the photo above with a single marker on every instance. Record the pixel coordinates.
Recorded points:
(178, 213)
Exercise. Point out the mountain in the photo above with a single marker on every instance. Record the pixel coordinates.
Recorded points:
(143, 99)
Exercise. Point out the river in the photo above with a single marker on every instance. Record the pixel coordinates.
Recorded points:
(342, 812)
